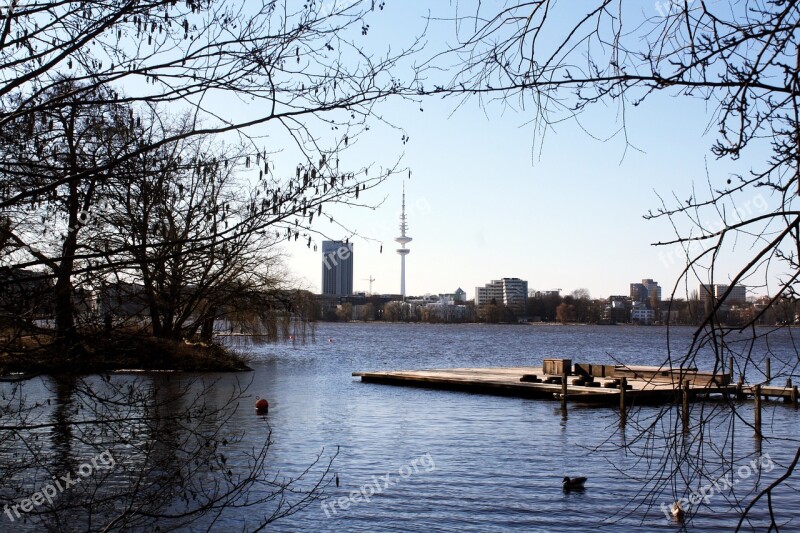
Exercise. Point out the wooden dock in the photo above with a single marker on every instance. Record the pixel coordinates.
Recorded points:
(604, 384)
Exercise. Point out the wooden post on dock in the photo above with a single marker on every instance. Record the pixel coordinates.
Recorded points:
(768, 372)
(794, 395)
(623, 386)
(757, 410)
(564, 389)
(685, 413)
(740, 388)
(726, 391)
(788, 399)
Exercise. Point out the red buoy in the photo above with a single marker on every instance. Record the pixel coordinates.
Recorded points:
(262, 405)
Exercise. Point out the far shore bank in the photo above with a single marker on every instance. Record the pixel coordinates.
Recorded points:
(544, 324)
(113, 352)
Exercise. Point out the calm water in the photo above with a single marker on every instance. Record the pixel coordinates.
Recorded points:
(498, 461)
(466, 462)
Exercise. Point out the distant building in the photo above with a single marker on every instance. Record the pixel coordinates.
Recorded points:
(737, 296)
(25, 293)
(457, 297)
(445, 310)
(617, 309)
(643, 315)
(653, 290)
(490, 292)
(645, 291)
(638, 292)
(511, 292)
(337, 268)
(547, 294)
(426, 299)
(121, 300)
(704, 292)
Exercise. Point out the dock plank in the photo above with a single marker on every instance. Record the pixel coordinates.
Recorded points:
(507, 381)
(766, 390)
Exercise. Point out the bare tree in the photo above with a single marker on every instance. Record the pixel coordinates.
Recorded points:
(301, 67)
(119, 69)
(192, 233)
(565, 312)
(556, 59)
(38, 152)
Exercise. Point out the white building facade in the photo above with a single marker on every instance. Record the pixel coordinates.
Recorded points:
(511, 292)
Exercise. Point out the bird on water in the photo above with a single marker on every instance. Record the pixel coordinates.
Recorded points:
(677, 511)
(573, 483)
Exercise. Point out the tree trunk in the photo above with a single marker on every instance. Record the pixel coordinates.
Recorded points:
(66, 335)
(207, 331)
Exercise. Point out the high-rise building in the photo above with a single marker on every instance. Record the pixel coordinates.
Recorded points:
(489, 292)
(638, 292)
(737, 296)
(645, 291)
(511, 292)
(704, 292)
(652, 289)
(337, 268)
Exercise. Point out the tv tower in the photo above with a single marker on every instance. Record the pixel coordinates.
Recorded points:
(403, 240)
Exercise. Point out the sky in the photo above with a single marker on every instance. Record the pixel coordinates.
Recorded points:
(484, 202)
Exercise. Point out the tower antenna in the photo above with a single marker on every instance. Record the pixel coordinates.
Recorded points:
(403, 239)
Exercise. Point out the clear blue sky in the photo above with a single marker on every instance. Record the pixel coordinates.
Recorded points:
(482, 204)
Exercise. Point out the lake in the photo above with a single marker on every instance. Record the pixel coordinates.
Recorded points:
(433, 460)
(498, 461)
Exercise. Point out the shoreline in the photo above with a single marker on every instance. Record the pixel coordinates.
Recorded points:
(117, 352)
(549, 324)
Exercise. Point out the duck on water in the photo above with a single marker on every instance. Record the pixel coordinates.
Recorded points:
(573, 483)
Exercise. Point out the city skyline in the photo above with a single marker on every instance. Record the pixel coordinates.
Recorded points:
(496, 289)
(490, 194)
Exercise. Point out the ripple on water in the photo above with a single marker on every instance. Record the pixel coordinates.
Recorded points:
(498, 461)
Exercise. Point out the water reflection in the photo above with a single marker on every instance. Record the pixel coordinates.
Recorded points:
(62, 417)
(177, 459)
